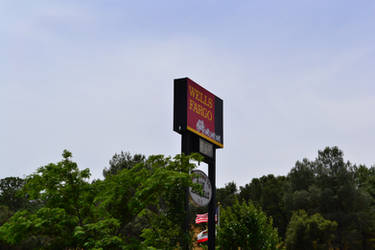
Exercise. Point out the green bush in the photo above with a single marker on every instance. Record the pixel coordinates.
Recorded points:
(245, 226)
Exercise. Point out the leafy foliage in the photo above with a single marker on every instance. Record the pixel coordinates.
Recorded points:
(138, 207)
(337, 190)
(329, 186)
(124, 160)
(268, 193)
(148, 200)
(245, 226)
(11, 200)
(100, 235)
(140, 204)
(10, 195)
(63, 190)
(48, 227)
(310, 232)
(227, 195)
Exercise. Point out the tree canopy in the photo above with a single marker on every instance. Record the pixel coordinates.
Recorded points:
(137, 207)
(244, 226)
(310, 232)
(140, 204)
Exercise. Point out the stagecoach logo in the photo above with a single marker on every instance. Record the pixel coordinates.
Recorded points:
(206, 131)
(203, 197)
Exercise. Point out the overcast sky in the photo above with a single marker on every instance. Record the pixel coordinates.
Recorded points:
(96, 78)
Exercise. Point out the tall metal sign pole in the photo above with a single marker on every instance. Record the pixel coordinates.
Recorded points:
(198, 117)
(212, 204)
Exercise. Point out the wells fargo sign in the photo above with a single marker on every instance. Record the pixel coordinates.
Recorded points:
(198, 111)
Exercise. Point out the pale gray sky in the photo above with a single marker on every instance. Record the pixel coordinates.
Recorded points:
(96, 77)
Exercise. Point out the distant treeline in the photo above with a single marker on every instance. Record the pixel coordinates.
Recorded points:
(326, 203)
(321, 204)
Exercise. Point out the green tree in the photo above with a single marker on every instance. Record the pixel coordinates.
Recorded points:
(148, 201)
(5, 214)
(62, 189)
(10, 195)
(124, 160)
(365, 182)
(136, 208)
(309, 232)
(246, 227)
(268, 192)
(227, 195)
(329, 186)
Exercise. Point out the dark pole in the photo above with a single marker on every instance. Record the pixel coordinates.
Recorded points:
(212, 204)
(185, 144)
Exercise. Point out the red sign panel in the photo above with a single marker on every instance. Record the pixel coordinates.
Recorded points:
(198, 111)
(201, 111)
